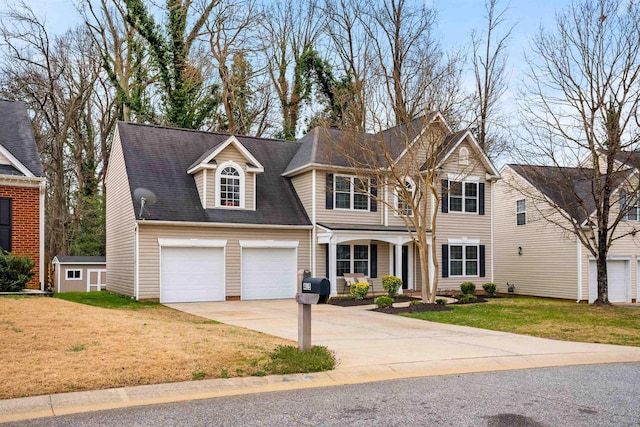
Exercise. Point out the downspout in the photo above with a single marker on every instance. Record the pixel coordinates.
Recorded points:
(493, 187)
(136, 262)
(579, 267)
(313, 222)
(43, 188)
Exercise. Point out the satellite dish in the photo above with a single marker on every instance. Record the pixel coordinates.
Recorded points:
(145, 197)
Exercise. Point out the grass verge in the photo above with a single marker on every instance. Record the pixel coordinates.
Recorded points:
(561, 320)
(287, 359)
(105, 299)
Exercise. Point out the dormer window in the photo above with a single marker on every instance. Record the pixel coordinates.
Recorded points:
(230, 185)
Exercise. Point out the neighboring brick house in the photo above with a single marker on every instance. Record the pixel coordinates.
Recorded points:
(236, 217)
(22, 188)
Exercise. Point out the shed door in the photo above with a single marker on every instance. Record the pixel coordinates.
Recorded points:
(191, 274)
(617, 278)
(268, 273)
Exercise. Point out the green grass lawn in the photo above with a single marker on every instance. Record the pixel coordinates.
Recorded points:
(561, 320)
(104, 299)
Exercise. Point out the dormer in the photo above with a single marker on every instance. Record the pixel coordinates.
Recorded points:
(225, 176)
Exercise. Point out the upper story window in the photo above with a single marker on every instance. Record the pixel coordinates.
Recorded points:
(403, 196)
(229, 186)
(463, 196)
(521, 212)
(351, 193)
(463, 156)
(629, 206)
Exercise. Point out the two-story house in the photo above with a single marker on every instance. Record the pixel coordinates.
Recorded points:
(22, 189)
(536, 207)
(236, 217)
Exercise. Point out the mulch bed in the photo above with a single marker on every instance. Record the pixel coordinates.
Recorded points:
(417, 308)
(350, 302)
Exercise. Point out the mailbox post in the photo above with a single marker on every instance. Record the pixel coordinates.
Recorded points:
(314, 291)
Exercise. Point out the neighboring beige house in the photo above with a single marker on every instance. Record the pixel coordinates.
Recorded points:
(79, 273)
(542, 259)
(199, 216)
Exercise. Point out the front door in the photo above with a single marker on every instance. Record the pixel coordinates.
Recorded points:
(405, 267)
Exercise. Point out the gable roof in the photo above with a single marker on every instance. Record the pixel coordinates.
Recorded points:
(69, 259)
(208, 156)
(17, 142)
(157, 158)
(555, 181)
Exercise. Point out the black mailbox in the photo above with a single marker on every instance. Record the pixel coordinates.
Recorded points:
(316, 285)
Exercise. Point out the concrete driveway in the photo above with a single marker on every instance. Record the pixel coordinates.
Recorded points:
(383, 345)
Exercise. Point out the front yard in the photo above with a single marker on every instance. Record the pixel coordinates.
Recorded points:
(48, 345)
(561, 320)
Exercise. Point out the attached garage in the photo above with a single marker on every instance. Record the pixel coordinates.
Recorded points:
(269, 270)
(192, 274)
(618, 278)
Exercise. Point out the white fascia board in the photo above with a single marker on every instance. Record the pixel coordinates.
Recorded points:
(22, 181)
(200, 167)
(463, 241)
(219, 224)
(283, 244)
(15, 162)
(193, 243)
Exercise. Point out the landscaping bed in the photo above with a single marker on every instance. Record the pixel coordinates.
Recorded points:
(415, 308)
(351, 302)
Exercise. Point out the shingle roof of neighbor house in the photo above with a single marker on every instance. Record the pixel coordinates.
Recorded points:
(567, 187)
(16, 136)
(157, 158)
(71, 259)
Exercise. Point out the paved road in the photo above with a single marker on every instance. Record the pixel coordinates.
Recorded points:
(590, 395)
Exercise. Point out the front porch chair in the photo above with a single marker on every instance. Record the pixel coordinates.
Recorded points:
(353, 278)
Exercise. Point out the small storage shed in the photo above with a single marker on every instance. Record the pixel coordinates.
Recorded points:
(79, 273)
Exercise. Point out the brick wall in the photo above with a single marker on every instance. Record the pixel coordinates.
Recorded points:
(25, 225)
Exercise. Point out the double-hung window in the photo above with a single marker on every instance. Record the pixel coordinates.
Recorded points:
(230, 187)
(403, 196)
(463, 196)
(630, 206)
(463, 260)
(351, 193)
(352, 259)
(521, 212)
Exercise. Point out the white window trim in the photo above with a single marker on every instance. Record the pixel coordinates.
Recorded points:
(396, 198)
(283, 244)
(192, 243)
(66, 273)
(464, 197)
(524, 211)
(352, 193)
(464, 260)
(241, 175)
(352, 257)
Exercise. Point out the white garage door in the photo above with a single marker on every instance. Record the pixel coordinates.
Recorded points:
(617, 278)
(268, 273)
(192, 274)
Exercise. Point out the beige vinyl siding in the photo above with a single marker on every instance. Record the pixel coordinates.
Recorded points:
(303, 184)
(198, 178)
(211, 188)
(120, 224)
(231, 153)
(149, 274)
(459, 225)
(548, 264)
(341, 215)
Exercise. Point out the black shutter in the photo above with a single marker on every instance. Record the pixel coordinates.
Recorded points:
(326, 260)
(329, 192)
(482, 256)
(481, 198)
(445, 196)
(5, 223)
(373, 259)
(445, 260)
(374, 195)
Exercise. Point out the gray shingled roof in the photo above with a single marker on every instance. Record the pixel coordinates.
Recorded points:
(365, 227)
(567, 187)
(16, 135)
(68, 259)
(157, 158)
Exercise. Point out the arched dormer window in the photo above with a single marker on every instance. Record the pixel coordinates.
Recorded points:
(229, 186)
(402, 197)
(463, 156)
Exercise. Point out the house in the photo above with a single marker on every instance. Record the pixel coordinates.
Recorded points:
(199, 216)
(79, 273)
(535, 252)
(22, 189)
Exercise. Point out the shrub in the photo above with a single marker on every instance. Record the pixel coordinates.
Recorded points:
(468, 288)
(415, 302)
(466, 298)
(359, 290)
(391, 284)
(441, 301)
(15, 272)
(384, 301)
(490, 289)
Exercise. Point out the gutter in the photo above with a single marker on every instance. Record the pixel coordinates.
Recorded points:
(221, 224)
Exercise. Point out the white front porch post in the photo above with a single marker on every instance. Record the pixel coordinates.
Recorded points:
(333, 254)
(398, 249)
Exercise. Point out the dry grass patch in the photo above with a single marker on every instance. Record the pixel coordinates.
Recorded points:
(49, 345)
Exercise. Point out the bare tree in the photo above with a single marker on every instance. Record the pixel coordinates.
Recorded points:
(582, 101)
(489, 66)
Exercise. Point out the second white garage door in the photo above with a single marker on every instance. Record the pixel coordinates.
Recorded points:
(192, 274)
(268, 273)
(617, 280)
